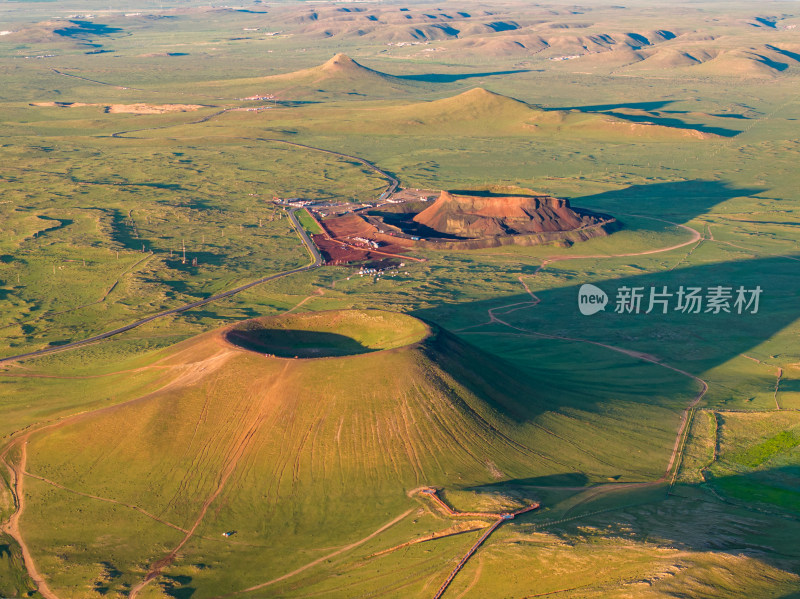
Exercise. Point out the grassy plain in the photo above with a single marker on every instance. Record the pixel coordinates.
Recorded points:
(97, 207)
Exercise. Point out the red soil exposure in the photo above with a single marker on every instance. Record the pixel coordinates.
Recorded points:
(339, 245)
(476, 216)
(348, 225)
(337, 253)
(352, 225)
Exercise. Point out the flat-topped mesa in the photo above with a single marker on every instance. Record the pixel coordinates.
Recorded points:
(484, 215)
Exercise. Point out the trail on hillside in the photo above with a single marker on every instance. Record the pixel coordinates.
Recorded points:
(105, 499)
(339, 551)
(12, 526)
(17, 470)
(696, 237)
(499, 518)
(235, 453)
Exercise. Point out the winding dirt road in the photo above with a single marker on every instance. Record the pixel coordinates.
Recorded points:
(696, 237)
(12, 525)
(499, 520)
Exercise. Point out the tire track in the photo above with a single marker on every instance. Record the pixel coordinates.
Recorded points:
(233, 457)
(688, 412)
(12, 525)
(321, 559)
(105, 499)
(499, 520)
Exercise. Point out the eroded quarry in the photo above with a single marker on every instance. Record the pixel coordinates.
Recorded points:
(481, 215)
(458, 220)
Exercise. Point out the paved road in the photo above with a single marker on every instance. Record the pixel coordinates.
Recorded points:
(317, 262)
(392, 186)
(393, 182)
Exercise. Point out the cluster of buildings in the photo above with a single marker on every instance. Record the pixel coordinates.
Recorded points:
(402, 44)
(377, 272)
(367, 242)
(258, 97)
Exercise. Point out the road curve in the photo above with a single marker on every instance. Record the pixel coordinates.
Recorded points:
(316, 262)
(393, 182)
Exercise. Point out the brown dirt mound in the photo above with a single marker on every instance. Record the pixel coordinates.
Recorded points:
(348, 225)
(341, 245)
(139, 108)
(476, 216)
(152, 108)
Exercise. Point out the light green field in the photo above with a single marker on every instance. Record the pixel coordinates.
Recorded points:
(690, 141)
(394, 420)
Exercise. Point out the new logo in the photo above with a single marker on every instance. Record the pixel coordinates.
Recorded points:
(591, 299)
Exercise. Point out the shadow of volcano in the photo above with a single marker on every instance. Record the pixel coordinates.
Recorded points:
(453, 77)
(587, 361)
(695, 342)
(696, 517)
(85, 29)
(654, 105)
(681, 201)
(653, 117)
(567, 479)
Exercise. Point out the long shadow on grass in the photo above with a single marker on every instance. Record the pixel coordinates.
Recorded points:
(652, 116)
(753, 513)
(453, 77)
(571, 361)
(680, 201)
(85, 29)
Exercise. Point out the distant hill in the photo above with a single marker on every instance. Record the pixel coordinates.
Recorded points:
(477, 106)
(702, 57)
(338, 78)
(482, 112)
(754, 62)
(339, 68)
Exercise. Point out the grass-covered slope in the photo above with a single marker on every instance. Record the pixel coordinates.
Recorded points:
(298, 455)
(341, 77)
(476, 112)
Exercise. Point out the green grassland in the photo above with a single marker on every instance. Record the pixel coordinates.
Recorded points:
(308, 223)
(438, 421)
(97, 207)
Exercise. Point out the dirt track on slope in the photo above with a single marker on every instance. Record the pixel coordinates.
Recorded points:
(235, 454)
(12, 526)
(17, 471)
(105, 499)
(499, 520)
(688, 411)
(323, 558)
